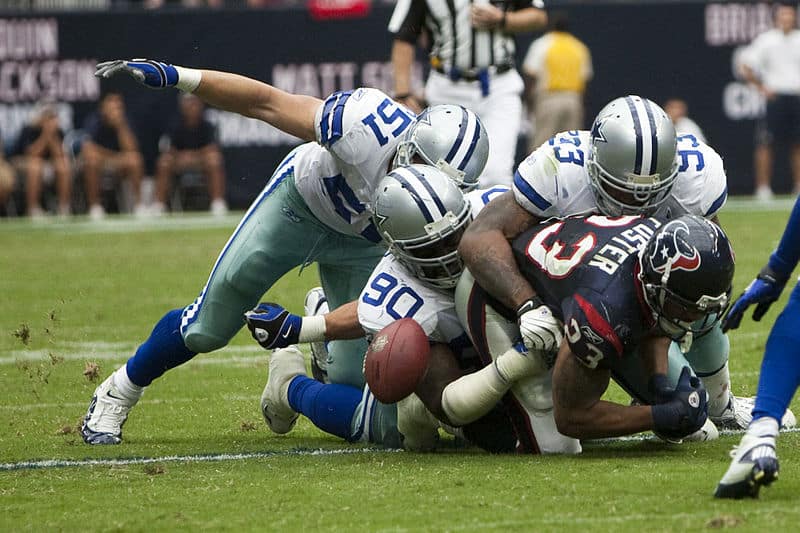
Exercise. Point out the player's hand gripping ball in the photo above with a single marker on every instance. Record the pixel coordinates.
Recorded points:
(396, 360)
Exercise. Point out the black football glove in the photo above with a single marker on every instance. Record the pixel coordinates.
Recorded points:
(685, 412)
(273, 326)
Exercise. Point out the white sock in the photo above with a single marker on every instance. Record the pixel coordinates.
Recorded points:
(764, 427)
(125, 386)
(718, 387)
(514, 366)
(470, 397)
(420, 429)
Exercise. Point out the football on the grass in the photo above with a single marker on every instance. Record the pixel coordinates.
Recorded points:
(396, 360)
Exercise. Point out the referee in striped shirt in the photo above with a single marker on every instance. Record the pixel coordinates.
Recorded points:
(472, 64)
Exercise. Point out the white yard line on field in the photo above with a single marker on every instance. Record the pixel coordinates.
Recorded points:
(122, 461)
(650, 436)
(204, 458)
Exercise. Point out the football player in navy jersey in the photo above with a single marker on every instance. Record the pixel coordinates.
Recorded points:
(652, 281)
(632, 161)
(316, 207)
(623, 288)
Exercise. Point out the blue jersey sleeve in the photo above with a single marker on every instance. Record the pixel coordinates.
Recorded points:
(785, 257)
(362, 127)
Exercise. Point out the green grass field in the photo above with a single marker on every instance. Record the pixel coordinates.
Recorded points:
(197, 455)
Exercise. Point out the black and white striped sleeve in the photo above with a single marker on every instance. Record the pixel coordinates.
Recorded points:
(408, 20)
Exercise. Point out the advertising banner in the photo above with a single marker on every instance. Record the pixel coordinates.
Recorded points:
(685, 50)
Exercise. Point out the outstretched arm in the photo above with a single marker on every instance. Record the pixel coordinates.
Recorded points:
(272, 326)
(292, 113)
(769, 283)
(580, 412)
(288, 112)
(342, 323)
(786, 256)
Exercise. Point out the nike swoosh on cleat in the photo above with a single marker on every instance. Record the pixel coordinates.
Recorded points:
(115, 397)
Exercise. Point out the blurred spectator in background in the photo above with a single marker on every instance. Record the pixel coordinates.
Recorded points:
(192, 147)
(7, 177)
(111, 146)
(472, 64)
(772, 64)
(678, 112)
(558, 66)
(39, 151)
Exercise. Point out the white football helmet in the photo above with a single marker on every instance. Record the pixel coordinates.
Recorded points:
(450, 138)
(421, 214)
(631, 162)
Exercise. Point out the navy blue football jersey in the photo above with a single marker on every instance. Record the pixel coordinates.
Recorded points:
(584, 269)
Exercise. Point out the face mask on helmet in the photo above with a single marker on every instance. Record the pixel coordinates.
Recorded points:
(631, 162)
(421, 214)
(686, 270)
(450, 138)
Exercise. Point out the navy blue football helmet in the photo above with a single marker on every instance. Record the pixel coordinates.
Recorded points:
(686, 270)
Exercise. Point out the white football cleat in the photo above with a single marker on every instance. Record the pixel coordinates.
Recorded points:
(709, 431)
(739, 413)
(420, 429)
(754, 465)
(107, 413)
(284, 364)
(317, 304)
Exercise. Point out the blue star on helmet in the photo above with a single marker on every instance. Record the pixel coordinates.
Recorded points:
(425, 116)
(597, 133)
(379, 219)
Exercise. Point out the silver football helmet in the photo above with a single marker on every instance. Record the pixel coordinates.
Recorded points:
(450, 138)
(631, 162)
(421, 214)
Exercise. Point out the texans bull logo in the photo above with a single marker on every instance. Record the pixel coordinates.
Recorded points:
(673, 249)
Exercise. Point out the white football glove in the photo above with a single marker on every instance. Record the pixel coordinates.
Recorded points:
(539, 328)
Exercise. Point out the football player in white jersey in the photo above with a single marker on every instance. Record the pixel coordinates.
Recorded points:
(316, 207)
(422, 216)
(631, 162)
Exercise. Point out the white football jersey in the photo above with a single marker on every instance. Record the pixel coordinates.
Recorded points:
(393, 292)
(553, 180)
(357, 136)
